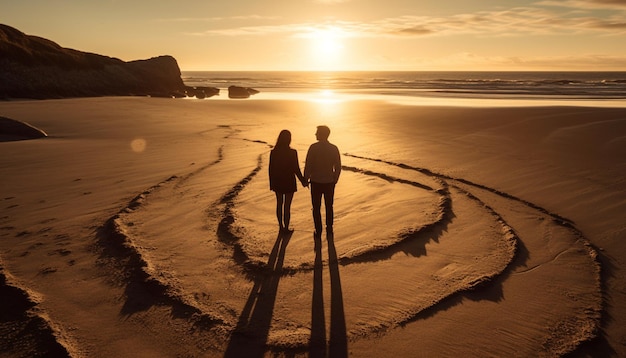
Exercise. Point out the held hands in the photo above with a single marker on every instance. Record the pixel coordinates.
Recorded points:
(304, 183)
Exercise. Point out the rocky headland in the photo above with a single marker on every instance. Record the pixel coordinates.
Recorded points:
(37, 68)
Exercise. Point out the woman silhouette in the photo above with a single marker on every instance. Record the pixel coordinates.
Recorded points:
(284, 168)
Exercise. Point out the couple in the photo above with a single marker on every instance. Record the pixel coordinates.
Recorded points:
(321, 170)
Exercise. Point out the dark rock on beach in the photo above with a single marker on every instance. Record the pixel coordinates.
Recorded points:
(11, 129)
(202, 92)
(34, 67)
(241, 92)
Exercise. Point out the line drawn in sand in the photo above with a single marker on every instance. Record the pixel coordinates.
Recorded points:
(510, 250)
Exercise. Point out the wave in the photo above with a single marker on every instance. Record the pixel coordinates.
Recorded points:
(577, 84)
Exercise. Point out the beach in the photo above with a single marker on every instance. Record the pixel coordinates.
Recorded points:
(145, 227)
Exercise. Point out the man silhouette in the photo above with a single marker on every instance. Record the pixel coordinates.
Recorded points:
(322, 170)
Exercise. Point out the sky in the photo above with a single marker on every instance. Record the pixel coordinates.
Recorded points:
(338, 35)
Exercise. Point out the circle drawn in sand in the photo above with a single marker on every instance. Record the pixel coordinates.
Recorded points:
(269, 291)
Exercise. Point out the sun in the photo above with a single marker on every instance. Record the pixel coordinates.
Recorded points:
(327, 44)
(327, 47)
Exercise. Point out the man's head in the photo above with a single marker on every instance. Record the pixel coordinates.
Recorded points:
(322, 133)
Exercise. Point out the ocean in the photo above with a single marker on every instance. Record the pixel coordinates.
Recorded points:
(593, 88)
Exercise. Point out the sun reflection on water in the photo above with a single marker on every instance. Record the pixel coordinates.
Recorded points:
(326, 96)
(328, 103)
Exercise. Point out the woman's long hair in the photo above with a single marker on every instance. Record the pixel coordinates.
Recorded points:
(284, 140)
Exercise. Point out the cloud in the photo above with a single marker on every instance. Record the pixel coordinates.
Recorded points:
(511, 22)
(249, 30)
(586, 4)
(609, 25)
(520, 21)
(331, 2)
(216, 19)
(574, 62)
(414, 31)
(538, 63)
(610, 2)
(252, 17)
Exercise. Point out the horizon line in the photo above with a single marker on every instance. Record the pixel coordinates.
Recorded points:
(373, 70)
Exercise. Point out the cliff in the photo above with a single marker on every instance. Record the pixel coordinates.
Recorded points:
(34, 67)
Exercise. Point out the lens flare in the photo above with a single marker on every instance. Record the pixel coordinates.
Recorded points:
(138, 145)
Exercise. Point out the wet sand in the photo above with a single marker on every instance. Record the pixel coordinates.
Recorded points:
(145, 227)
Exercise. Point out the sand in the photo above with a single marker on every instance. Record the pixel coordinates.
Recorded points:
(144, 227)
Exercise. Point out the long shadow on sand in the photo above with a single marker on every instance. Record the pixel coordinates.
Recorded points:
(250, 335)
(338, 342)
